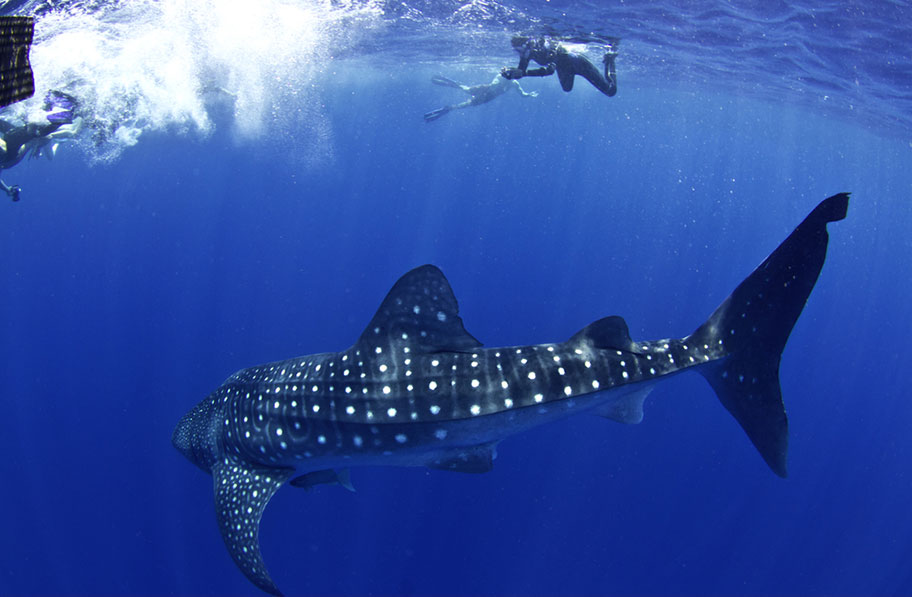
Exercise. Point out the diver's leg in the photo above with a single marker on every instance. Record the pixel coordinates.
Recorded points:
(566, 70)
(566, 79)
(435, 114)
(588, 71)
(443, 81)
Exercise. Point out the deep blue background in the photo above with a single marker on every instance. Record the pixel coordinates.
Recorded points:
(130, 291)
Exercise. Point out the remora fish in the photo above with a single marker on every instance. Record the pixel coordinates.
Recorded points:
(417, 389)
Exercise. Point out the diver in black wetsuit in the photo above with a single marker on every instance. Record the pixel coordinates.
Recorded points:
(37, 138)
(553, 56)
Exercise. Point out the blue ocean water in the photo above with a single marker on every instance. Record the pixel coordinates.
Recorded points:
(250, 182)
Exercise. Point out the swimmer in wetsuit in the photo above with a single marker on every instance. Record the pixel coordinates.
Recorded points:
(478, 94)
(553, 56)
(18, 140)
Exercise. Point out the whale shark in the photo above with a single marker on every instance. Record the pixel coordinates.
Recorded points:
(417, 389)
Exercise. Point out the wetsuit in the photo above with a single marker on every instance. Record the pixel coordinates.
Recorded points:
(555, 57)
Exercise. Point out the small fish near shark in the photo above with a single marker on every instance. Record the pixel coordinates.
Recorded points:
(417, 389)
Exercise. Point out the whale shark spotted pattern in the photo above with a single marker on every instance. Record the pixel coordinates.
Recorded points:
(417, 389)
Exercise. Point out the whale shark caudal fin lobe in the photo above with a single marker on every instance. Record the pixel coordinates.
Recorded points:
(242, 491)
(753, 324)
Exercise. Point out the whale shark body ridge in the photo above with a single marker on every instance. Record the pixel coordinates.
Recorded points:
(417, 389)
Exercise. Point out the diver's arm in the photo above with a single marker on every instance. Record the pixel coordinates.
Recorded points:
(541, 72)
(524, 62)
(522, 91)
(516, 73)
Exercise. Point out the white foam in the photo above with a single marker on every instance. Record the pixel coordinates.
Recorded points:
(178, 66)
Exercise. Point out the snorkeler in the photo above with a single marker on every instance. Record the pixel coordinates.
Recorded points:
(18, 140)
(478, 94)
(552, 55)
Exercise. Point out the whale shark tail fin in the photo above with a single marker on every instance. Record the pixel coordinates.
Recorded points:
(749, 330)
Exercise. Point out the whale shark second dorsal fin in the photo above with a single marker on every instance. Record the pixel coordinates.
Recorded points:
(419, 312)
(606, 333)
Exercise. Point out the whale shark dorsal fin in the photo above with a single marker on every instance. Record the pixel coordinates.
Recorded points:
(242, 491)
(420, 312)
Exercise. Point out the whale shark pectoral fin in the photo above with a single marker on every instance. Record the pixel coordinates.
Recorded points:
(242, 491)
(420, 313)
(471, 459)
